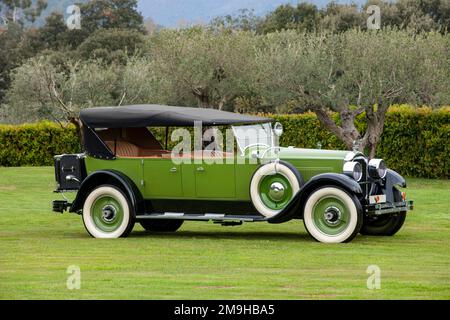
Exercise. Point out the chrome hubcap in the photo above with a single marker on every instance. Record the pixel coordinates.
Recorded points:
(108, 213)
(332, 215)
(276, 192)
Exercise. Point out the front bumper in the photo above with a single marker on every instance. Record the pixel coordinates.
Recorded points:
(385, 208)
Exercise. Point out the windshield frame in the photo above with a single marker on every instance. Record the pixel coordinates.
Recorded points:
(244, 143)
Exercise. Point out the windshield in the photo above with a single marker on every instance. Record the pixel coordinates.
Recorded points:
(252, 135)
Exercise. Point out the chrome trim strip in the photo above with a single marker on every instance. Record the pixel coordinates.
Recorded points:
(203, 217)
(173, 214)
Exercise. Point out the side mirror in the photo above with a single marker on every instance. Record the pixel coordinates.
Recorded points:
(278, 129)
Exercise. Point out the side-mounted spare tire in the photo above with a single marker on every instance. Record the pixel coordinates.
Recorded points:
(273, 186)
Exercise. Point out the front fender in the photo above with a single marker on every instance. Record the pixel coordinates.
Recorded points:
(391, 180)
(109, 177)
(295, 207)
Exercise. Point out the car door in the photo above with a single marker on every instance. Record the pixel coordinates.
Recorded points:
(215, 181)
(162, 179)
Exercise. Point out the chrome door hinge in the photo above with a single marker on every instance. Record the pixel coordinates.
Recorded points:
(142, 183)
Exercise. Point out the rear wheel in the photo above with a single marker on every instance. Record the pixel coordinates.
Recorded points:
(385, 225)
(331, 215)
(161, 225)
(107, 213)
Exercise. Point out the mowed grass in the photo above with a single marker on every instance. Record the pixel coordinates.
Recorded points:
(208, 261)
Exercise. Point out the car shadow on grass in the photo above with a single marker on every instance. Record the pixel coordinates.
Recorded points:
(224, 235)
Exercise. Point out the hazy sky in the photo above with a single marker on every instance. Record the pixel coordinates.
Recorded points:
(169, 12)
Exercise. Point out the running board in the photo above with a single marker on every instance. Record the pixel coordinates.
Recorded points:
(202, 217)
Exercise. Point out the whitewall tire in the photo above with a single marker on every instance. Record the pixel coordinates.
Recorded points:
(272, 188)
(331, 215)
(107, 213)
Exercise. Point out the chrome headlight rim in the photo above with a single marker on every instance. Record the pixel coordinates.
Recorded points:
(353, 169)
(377, 169)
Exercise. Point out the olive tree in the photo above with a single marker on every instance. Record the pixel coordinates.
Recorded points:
(203, 67)
(42, 89)
(353, 73)
(56, 88)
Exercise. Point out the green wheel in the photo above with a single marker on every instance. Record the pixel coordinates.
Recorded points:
(275, 191)
(331, 215)
(107, 213)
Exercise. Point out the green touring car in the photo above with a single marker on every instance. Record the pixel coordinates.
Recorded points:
(127, 175)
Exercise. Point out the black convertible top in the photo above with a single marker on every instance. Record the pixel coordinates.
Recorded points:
(159, 115)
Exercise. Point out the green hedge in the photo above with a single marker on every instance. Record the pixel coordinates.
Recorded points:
(415, 142)
(35, 144)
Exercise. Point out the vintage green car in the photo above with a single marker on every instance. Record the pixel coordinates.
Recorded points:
(127, 174)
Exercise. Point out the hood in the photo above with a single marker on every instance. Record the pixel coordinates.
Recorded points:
(300, 153)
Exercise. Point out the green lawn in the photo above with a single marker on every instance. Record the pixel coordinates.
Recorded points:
(208, 261)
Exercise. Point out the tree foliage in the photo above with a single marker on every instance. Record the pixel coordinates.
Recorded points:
(19, 11)
(201, 67)
(417, 15)
(353, 73)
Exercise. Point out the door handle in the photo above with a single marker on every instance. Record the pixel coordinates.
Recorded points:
(173, 170)
(200, 169)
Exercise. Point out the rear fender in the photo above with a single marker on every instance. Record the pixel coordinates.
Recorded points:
(112, 177)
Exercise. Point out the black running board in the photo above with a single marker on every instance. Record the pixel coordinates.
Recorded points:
(202, 217)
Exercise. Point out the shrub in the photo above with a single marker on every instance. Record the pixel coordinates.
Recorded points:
(36, 144)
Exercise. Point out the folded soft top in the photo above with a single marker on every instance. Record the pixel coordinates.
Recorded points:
(159, 115)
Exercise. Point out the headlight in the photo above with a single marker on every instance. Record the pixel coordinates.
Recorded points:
(377, 168)
(353, 170)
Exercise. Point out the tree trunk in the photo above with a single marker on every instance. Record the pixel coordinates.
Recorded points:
(202, 96)
(375, 127)
(347, 132)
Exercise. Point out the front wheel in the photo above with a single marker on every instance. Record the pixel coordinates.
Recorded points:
(107, 213)
(385, 225)
(331, 215)
(161, 225)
